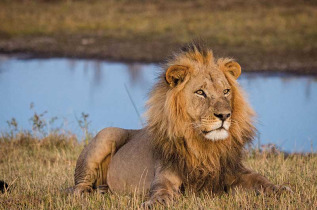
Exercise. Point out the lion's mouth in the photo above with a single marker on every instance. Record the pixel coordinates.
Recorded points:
(217, 129)
(216, 134)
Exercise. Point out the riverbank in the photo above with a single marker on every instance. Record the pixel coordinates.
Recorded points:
(37, 170)
(261, 35)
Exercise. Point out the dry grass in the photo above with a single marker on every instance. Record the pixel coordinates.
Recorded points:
(277, 34)
(39, 169)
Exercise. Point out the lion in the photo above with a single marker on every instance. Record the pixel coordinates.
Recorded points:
(198, 122)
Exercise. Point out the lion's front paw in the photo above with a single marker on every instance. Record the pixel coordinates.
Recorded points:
(79, 189)
(271, 189)
(147, 204)
(163, 199)
(275, 189)
(284, 189)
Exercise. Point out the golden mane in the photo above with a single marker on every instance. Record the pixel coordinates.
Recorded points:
(174, 140)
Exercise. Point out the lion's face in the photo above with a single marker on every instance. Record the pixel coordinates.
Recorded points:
(208, 97)
(209, 103)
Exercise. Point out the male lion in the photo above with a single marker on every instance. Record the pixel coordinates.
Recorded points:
(198, 123)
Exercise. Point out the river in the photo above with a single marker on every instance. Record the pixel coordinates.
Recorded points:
(286, 105)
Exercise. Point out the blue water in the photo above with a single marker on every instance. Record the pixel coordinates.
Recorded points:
(285, 104)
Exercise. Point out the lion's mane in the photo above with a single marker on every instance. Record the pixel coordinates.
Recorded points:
(202, 164)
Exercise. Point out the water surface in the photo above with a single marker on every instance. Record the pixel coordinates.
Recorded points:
(285, 104)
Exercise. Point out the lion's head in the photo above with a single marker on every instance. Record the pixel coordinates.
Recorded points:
(206, 93)
(198, 118)
(198, 96)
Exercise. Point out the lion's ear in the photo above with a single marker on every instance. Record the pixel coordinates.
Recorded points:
(176, 74)
(233, 68)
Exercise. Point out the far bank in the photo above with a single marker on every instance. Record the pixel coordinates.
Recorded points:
(262, 36)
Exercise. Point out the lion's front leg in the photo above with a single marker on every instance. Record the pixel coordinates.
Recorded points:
(251, 180)
(164, 189)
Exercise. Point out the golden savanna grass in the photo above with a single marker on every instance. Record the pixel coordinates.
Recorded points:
(274, 34)
(39, 168)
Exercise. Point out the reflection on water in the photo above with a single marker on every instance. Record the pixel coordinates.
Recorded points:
(285, 104)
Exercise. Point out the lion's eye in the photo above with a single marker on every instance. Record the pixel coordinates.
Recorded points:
(201, 93)
(226, 91)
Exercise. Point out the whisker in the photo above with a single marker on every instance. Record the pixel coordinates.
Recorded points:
(196, 125)
(234, 121)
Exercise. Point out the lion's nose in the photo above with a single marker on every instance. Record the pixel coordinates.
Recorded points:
(222, 116)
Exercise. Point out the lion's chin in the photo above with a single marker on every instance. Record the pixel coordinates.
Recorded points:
(216, 135)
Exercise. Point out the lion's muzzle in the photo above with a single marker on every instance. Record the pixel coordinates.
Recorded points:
(217, 129)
